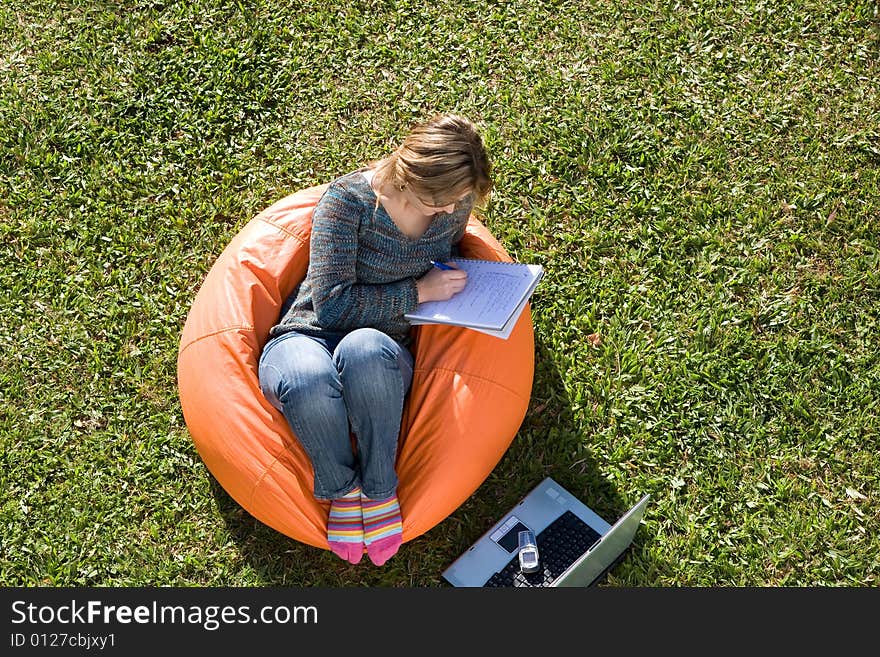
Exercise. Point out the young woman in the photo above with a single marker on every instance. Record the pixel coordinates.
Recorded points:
(337, 361)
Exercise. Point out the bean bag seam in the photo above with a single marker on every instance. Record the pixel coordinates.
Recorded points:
(266, 470)
(284, 230)
(475, 376)
(238, 327)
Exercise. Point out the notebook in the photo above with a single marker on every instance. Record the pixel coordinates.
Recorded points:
(576, 547)
(492, 300)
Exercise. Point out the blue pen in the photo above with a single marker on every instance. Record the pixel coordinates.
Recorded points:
(440, 265)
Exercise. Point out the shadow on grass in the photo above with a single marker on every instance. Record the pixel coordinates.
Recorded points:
(548, 444)
(278, 560)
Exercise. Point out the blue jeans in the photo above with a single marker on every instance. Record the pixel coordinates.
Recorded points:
(328, 388)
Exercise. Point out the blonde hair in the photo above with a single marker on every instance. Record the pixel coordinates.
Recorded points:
(440, 160)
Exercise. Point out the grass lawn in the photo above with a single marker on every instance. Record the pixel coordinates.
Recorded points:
(700, 180)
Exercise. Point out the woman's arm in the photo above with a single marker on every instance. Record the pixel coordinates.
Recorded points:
(341, 303)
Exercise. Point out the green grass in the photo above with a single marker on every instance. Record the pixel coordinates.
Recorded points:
(699, 179)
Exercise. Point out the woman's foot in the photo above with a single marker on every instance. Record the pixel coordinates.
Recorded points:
(383, 528)
(345, 527)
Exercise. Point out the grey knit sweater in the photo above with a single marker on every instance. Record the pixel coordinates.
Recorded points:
(362, 268)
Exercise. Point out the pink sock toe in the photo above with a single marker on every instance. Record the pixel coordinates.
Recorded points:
(351, 552)
(345, 527)
(383, 549)
(383, 528)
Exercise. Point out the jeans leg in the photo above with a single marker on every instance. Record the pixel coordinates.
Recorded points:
(376, 373)
(299, 378)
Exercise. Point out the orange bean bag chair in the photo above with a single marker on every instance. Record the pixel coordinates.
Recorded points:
(468, 398)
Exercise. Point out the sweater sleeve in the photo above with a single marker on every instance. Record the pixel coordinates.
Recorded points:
(340, 302)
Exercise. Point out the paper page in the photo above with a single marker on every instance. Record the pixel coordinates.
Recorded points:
(503, 333)
(494, 291)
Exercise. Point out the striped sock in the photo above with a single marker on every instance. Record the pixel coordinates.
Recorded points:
(383, 528)
(345, 527)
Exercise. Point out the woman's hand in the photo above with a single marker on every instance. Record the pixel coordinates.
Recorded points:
(440, 285)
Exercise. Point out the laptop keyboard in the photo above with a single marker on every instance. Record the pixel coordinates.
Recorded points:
(561, 543)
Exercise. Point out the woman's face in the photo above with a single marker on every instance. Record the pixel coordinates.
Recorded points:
(430, 209)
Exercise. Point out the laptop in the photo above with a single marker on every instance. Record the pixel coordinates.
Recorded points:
(576, 547)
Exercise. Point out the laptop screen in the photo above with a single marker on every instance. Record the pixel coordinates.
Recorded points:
(614, 543)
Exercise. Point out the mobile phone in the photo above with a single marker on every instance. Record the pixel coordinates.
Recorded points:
(529, 560)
